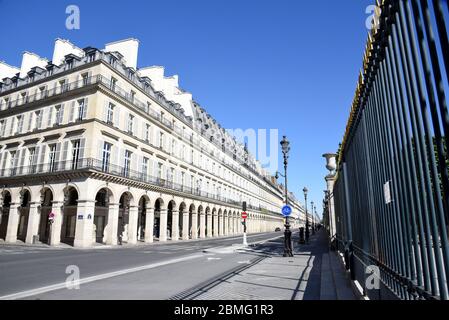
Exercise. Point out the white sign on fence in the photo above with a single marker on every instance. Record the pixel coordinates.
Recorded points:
(387, 192)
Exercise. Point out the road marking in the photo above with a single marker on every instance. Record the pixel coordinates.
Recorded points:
(210, 258)
(58, 286)
(244, 262)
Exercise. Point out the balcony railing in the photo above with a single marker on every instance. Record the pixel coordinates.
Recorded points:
(99, 79)
(99, 165)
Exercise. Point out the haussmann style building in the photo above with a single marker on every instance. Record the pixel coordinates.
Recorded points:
(109, 152)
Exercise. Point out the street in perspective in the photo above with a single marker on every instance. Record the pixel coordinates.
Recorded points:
(202, 151)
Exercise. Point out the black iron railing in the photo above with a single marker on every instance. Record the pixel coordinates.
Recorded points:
(392, 190)
(121, 171)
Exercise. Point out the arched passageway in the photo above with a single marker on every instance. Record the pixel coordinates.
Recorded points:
(69, 215)
(46, 207)
(4, 213)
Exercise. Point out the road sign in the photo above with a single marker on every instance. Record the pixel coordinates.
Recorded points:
(286, 210)
(244, 215)
(51, 216)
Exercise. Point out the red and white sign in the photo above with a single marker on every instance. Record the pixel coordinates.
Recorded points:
(51, 216)
(244, 215)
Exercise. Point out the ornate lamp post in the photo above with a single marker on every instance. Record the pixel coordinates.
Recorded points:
(285, 145)
(305, 191)
(312, 203)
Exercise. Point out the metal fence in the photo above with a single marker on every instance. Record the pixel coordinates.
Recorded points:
(392, 189)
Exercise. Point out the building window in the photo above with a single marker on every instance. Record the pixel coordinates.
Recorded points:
(145, 166)
(161, 140)
(31, 159)
(159, 170)
(75, 153)
(113, 83)
(24, 97)
(19, 124)
(127, 164)
(132, 96)
(52, 157)
(12, 160)
(70, 64)
(147, 133)
(106, 157)
(59, 115)
(38, 119)
(63, 85)
(85, 79)
(170, 175)
(130, 123)
(2, 128)
(81, 109)
(91, 57)
(110, 113)
(42, 92)
(182, 178)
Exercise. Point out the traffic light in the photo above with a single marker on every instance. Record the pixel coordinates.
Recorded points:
(244, 206)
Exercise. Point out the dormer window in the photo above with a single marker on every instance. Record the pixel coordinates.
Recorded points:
(130, 74)
(70, 64)
(112, 61)
(91, 57)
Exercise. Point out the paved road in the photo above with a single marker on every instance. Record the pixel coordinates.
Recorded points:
(154, 271)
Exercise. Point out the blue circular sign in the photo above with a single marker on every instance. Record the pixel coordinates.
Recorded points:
(286, 210)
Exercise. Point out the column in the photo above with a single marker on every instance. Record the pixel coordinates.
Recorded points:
(55, 228)
(220, 222)
(163, 226)
(13, 223)
(215, 233)
(226, 224)
(84, 223)
(175, 226)
(33, 222)
(202, 225)
(112, 224)
(209, 224)
(149, 224)
(132, 224)
(185, 225)
(330, 181)
(194, 230)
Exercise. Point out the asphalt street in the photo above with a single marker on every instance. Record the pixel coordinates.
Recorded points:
(146, 271)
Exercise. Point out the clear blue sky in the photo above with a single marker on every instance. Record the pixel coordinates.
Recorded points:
(290, 65)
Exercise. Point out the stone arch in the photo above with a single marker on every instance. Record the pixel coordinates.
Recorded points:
(71, 197)
(159, 205)
(201, 219)
(5, 204)
(170, 208)
(208, 213)
(214, 222)
(24, 211)
(193, 217)
(220, 221)
(126, 200)
(142, 205)
(181, 227)
(103, 198)
(47, 196)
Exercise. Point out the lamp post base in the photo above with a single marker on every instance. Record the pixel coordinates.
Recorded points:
(287, 242)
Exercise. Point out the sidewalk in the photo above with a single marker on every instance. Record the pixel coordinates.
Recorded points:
(314, 273)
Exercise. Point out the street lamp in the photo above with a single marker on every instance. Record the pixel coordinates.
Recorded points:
(312, 203)
(305, 191)
(285, 145)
